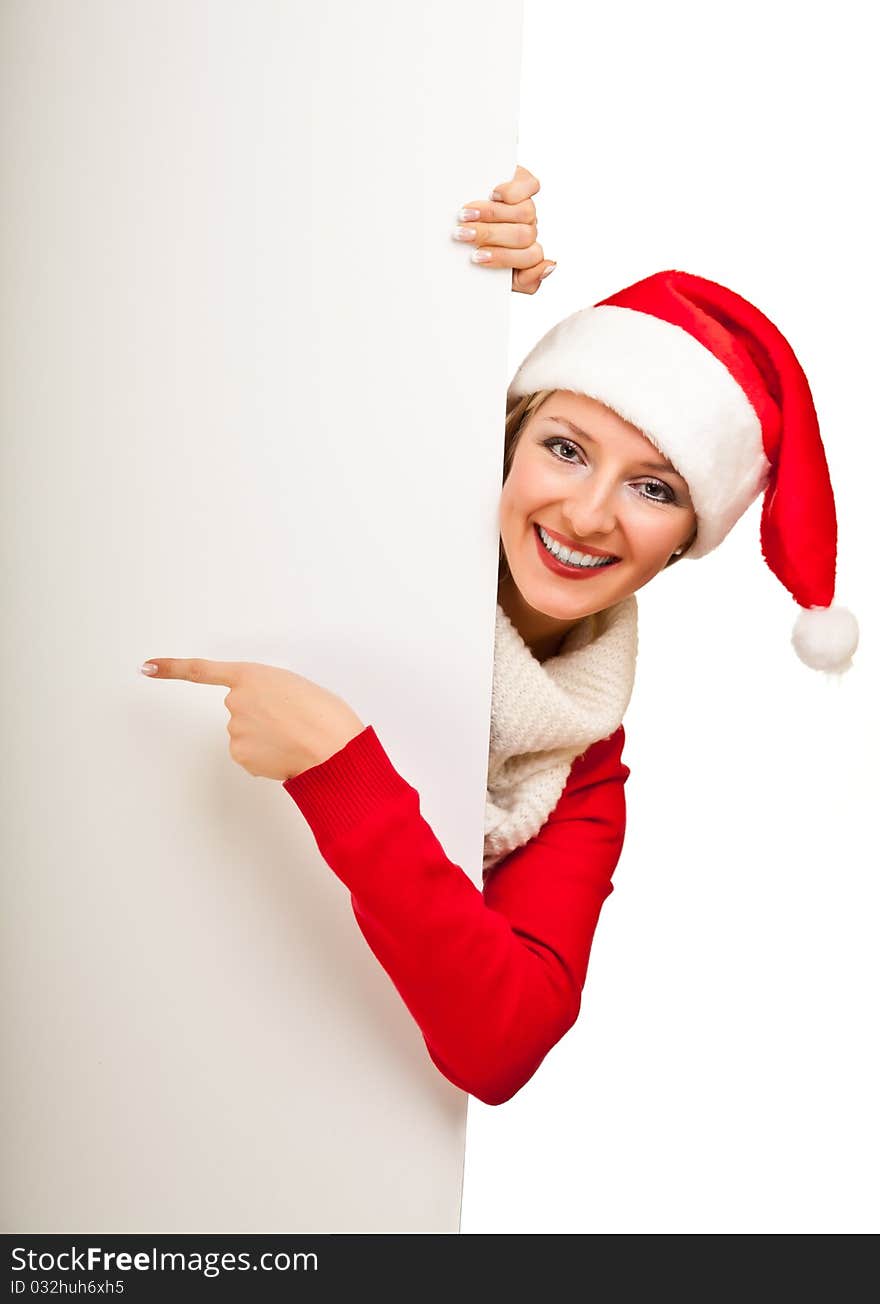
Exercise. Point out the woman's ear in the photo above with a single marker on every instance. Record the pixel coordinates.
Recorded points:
(674, 556)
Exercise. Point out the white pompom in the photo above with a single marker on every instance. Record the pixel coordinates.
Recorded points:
(825, 638)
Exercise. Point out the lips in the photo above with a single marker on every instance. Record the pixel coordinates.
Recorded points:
(559, 567)
(577, 547)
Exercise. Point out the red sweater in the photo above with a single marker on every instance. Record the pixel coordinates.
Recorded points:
(492, 978)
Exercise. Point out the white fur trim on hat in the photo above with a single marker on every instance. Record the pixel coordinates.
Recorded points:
(659, 378)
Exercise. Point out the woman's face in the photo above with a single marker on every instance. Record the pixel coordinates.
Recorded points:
(596, 485)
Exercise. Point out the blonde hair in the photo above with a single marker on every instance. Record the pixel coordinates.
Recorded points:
(518, 412)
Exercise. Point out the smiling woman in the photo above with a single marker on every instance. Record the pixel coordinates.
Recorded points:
(638, 431)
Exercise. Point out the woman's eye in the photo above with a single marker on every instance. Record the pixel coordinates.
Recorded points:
(557, 440)
(666, 495)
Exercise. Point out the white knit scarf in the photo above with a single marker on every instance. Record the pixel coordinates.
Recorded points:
(546, 714)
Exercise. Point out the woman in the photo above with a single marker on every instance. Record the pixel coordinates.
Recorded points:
(638, 431)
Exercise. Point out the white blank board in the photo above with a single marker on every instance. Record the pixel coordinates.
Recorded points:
(244, 370)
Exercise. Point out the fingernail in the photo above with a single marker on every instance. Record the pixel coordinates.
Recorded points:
(464, 233)
(468, 214)
(480, 256)
(148, 668)
(547, 271)
(496, 194)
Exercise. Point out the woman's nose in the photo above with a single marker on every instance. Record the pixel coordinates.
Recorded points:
(592, 512)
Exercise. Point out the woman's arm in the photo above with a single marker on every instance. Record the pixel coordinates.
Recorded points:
(493, 979)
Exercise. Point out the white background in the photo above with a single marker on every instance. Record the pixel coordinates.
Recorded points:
(723, 1075)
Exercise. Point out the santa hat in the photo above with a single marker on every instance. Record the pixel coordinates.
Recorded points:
(717, 389)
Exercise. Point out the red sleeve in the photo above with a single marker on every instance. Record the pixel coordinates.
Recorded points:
(492, 978)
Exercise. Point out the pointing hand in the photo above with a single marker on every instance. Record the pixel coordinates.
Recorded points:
(280, 722)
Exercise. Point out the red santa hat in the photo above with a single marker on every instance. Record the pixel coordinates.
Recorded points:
(717, 389)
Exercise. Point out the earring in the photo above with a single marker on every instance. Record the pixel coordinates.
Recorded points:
(678, 552)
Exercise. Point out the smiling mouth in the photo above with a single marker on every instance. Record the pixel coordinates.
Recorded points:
(588, 562)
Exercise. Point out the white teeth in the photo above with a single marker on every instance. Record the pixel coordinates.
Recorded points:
(586, 560)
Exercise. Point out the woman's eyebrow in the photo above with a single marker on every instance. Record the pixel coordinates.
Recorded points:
(654, 466)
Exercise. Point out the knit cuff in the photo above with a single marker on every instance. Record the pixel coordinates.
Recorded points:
(340, 791)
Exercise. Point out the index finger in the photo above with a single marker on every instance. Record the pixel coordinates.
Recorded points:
(523, 186)
(195, 669)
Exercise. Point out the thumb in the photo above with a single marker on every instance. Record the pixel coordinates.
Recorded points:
(528, 279)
